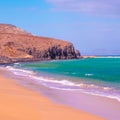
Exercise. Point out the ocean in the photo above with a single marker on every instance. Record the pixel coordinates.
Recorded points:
(97, 76)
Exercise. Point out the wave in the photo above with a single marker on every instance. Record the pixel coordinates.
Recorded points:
(66, 84)
(88, 74)
(20, 72)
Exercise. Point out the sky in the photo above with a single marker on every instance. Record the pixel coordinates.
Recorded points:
(93, 26)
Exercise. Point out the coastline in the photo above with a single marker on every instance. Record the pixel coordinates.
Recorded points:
(21, 103)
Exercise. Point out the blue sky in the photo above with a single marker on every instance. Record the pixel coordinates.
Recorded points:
(93, 26)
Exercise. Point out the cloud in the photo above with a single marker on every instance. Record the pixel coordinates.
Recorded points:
(95, 7)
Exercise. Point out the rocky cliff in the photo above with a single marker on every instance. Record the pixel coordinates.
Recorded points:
(18, 45)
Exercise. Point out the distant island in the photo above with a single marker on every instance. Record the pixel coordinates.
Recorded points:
(17, 45)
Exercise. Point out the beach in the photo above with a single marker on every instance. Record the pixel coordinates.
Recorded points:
(20, 103)
(51, 87)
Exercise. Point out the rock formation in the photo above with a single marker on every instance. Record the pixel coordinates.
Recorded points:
(18, 45)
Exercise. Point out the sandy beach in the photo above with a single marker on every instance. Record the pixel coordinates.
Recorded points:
(19, 103)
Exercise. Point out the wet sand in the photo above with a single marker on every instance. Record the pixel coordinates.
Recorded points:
(20, 103)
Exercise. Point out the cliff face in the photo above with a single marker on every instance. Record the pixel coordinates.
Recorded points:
(18, 45)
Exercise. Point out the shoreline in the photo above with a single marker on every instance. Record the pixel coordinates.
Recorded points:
(43, 76)
(18, 102)
(97, 105)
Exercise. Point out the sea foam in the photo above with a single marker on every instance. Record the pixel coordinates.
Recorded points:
(66, 84)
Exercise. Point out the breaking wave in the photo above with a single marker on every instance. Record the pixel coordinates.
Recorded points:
(66, 84)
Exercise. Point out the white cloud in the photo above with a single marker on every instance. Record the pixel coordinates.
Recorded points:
(96, 7)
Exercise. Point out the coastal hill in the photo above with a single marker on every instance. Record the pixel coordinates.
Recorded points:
(17, 45)
(7, 28)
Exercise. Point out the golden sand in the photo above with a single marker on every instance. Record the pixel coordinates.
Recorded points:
(19, 103)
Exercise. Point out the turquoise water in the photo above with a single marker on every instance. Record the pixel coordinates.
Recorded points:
(105, 69)
(99, 76)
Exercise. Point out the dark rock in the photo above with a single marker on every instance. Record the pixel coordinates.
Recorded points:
(5, 59)
(77, 53)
